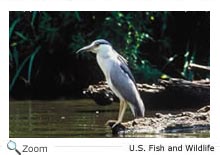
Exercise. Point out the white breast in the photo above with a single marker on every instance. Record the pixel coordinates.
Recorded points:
(106, 62)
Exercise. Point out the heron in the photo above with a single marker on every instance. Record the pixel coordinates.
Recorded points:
(119, 78)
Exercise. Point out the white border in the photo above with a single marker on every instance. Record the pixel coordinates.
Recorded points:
(109, 5)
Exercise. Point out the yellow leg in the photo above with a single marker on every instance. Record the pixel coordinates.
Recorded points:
(122, 109)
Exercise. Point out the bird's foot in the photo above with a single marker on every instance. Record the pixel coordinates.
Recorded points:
(116, 123)
(112, 123)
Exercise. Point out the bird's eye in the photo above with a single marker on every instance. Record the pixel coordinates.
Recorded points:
(97, 44)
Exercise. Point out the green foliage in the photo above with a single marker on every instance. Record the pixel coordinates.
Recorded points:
(130, 34)
(33, 18)
(29, 58)
(32, 56)
(15, 56)
(11, 29)
(152, 42)
(188, 74)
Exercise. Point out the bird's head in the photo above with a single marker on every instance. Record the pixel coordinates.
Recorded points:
(96, 46)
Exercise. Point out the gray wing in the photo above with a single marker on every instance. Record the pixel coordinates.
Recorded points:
(123, 81)
(124, 67)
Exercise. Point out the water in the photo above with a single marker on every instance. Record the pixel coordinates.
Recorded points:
(69, 118)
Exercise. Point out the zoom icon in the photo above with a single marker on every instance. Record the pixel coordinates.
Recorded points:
(12, 146)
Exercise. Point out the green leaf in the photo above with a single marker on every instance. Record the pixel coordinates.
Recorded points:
(33, 18)
(16, 56)
(77, 16)
(11, 29)
(21, 35)
(18, 71)
(13, 44)
(32, 56)
(164, 76)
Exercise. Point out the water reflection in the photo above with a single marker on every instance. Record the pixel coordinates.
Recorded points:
(79, 118)
(73, 118)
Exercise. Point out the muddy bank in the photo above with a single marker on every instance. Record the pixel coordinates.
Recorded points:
(166, 123)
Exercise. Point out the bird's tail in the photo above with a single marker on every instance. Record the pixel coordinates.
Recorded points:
(138, 109)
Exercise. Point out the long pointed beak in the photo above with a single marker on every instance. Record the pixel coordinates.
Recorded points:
(84, 49)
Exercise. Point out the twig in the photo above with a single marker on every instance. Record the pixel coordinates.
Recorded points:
(192, 65)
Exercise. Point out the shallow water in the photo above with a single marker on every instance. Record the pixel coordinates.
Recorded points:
(70, 118)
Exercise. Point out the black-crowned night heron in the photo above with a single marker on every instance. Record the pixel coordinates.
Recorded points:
(118, 77)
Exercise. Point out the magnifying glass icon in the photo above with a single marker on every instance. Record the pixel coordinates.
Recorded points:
(12, 146)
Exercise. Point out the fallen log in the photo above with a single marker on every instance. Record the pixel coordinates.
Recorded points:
(167, 94)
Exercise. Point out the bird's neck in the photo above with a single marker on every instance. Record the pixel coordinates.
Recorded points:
(105, 59)
(106, 52)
